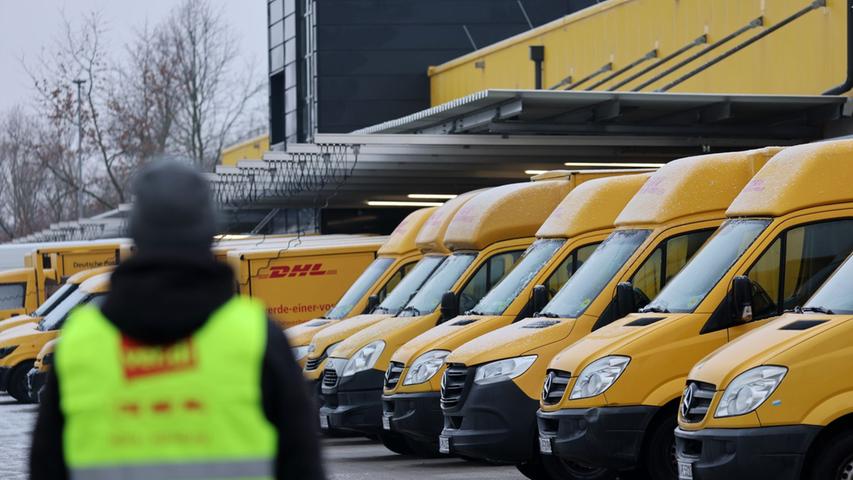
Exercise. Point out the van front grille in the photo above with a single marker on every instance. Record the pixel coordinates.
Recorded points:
(696, 400)
(314, 363)
(330, 378)
(453, 385)
(392, 375)
(555, 385)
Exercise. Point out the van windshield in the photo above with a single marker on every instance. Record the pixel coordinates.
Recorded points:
(54, 300)
(57, 316)
(429, 296)
(690, 286)
(356, 292)
(834, 296)
(410, 284)
(591, 278)
(502, 294)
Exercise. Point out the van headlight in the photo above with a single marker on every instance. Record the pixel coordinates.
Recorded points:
(364, 359)
(749, 390)
(425, 367)
(503, 369)
(598, 376)
(300, 352)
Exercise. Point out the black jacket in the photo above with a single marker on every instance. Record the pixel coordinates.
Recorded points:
(190, 290)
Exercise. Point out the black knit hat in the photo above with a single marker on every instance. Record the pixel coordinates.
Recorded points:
(172, 212)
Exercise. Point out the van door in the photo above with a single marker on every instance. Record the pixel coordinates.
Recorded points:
(793, 267)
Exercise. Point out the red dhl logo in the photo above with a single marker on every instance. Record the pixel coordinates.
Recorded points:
(303, 270)
(139, 360)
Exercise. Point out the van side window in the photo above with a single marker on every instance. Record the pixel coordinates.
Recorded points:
(570, 265)
(664, 262)
(489, 273)
(796, 264)
(12, 296)
(395, 279)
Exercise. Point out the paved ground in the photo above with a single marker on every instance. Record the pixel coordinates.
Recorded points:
(346, 459)
(15, 427)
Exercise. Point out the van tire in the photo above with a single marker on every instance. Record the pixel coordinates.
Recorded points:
(834, 457)
(17, 382)
(560, 469)
(659, 450)
(423, 449)
(395, 442)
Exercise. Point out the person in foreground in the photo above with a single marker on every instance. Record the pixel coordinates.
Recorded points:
(172, 375)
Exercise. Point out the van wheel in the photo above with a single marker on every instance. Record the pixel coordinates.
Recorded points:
(395, 442)
(533, 470)
(17, 385)
(834, 460)
(659, 451)
(560, 468)
(423, 449)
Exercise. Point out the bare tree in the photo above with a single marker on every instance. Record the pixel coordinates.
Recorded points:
(26, 191)
(213, 94)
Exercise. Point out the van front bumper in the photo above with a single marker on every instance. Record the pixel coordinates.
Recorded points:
(495, 422)
(355, 403)
(415, 415)
(604, 437)
(742, 453)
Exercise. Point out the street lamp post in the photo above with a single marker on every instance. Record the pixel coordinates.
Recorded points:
(79, 82)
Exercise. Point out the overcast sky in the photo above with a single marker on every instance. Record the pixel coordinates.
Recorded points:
(27, 26)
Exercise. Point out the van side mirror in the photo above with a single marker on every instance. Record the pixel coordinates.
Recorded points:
(540, 298)
(372, 303)
(449, 305)
(626, 300)
(741, 299)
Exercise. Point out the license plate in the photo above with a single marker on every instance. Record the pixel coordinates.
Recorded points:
(324, 422)
(545, 445)
(444, 445)
(386, 423)
(685, 471)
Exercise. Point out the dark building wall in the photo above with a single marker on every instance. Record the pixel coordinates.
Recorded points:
(371, 56)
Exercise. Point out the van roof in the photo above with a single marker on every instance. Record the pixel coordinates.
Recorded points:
(97, 284)
(84, 275)
(263, 242)
(693, 186)
(364, 244)
(84, 246)
(800, 177)
(402, 239)
(592, 206)
(430, 238)
(502, 213)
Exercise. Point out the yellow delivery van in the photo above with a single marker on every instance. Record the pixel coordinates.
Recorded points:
(55, 299)
(781, 241)
(492, 384)
(486, 237)
(20, 345)
(303, 282)
(776, 402)
(430, 241)
(38, 374)
(22, 290)
(570, 234)
(395, 259)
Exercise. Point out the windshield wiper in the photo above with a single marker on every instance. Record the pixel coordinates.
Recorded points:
(411, 309)
(817, 309)
(379, 309)
(549, 315)
(653, 309)
(474, 312)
